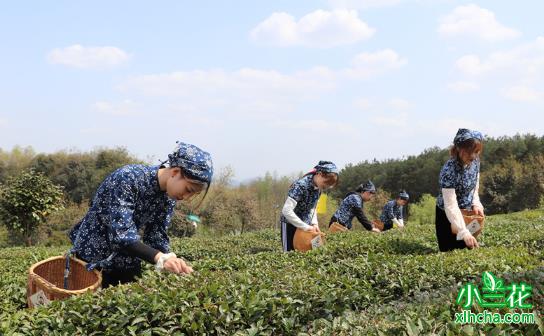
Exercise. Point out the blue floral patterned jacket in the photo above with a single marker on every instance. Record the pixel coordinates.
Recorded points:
(463, 179)
(127, 202)
(350, 207)
(306, 194)
(390, 210)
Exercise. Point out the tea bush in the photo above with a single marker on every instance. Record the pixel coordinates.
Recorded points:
(360, 283)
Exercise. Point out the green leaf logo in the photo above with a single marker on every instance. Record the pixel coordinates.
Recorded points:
(489, 280)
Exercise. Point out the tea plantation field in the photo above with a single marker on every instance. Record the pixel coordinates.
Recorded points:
(360, 283)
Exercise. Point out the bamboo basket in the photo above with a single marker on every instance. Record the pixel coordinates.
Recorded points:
(305, 241)
(474, 223)
(378, 224)
(46, 280)
(337, 227)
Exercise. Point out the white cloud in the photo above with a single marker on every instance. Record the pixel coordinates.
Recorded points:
(247, 93)
(474, 21)
(400, 104)
(363, 4)
(462, 86)
(316, 125)
(435, 126)
(446, 126)
(217, 86)
(362, 104)
(396, 120)
(518, 71)
(192, 116)
(522, 94)
(388, 119)
(244, 93)
(367, 4)
(320, 28)
(123, 108)
(244, 82)
(525, 60)
(367, 65)
(471, 65)
(78, 56)
(406, 123)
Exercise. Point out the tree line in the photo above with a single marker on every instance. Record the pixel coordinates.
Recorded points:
(512, 179)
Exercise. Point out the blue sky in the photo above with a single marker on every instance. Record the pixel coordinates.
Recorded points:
(272, 86)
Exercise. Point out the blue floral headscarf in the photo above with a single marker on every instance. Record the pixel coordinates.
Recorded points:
(326, 167)
(404, 195)
(464, 134)
(368, 186)
(195, 162)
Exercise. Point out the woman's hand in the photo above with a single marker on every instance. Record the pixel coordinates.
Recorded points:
(470, 241)
(173, 264)
(177, 266)
(376, 230)
(312, 228)
(478, 211)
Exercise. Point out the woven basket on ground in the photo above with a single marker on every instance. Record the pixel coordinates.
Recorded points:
(46, 280)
